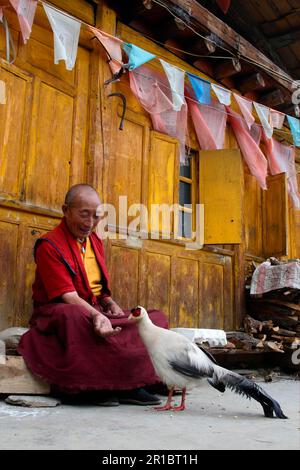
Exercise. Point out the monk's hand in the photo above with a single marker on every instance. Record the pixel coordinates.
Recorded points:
(103, 327)
(112, 309)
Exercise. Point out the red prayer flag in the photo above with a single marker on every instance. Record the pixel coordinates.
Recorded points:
(224, 5)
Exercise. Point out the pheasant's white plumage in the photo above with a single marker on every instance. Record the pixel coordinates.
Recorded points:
(182, 364)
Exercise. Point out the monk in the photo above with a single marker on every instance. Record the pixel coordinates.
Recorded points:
(79, 337)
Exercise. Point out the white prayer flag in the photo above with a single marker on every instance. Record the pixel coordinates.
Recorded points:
(2, 92)
(223, 95)
(176, 81)
(66, 32)
(276, 118)
(264, 117)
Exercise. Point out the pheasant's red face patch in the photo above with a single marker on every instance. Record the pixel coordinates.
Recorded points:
(136, 312)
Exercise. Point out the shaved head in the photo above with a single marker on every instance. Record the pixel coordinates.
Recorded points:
(82, 210)
(79, 190)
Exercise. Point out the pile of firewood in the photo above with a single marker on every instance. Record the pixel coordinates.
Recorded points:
(274, 320)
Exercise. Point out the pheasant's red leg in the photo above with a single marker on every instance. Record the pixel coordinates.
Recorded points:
(168, 405)
(181, 407)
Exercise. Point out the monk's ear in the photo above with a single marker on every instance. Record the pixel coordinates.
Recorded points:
(64, 208)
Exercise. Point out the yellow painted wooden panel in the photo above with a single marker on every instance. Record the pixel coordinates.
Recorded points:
(48, 168)
(253, 216)
(8, 264)
(13, 136)
(211, 296)
(275, 216)
(125, 164)
(295, 233)
(124, 271)
(29, 234)
(221, 192)
(42, 57)
(155, 277)
(163, 177)
(185, 293)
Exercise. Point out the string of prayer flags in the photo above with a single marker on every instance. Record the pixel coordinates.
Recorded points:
(176, 80)
(136, 56)
(264, 115)
(201, 88)
(295, 129)
(66, 32)
(223, 95)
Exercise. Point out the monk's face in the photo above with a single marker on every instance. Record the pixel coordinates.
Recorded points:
(83, 213)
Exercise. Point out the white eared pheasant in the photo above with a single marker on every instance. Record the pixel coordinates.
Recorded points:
(181, 364)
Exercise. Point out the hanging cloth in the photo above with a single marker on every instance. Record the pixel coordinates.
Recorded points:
(112, 47)
(209, 123)
(136, 56)
(201, 88)
(153, 92)
(295, 129)
(246, 109)
(264, 117)
(276, 118)
(251, 152)
(224, 5)
(176, 80)
(66, 32)
(223, 95)
(281, 159)
(25, 10)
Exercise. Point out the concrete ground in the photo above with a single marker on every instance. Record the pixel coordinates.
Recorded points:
(211, 421)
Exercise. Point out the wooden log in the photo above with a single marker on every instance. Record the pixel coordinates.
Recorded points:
(228, 68)
(283, 332)
(175, 47)
(15, 378)
(273, 346)
(253, 82)
(288, 305)
(242, 340)
(254, 326)
(285, 321)
(272, 99)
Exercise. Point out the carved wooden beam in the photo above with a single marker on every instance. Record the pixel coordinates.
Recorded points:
(237, 43)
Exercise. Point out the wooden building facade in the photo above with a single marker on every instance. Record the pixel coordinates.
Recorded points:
(59, 128)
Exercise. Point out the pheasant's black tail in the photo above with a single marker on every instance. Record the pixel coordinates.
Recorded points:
(224, 378)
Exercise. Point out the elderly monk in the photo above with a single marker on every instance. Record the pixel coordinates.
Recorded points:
(79, 338)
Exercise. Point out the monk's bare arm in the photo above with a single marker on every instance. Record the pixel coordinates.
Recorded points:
(102, 325)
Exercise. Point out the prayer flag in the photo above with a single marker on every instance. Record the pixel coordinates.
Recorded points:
(176, 80)
(136, 56)
(201, 88)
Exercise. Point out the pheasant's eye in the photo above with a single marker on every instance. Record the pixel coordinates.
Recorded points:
(136, 312)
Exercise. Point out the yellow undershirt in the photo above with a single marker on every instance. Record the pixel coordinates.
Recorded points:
(91, 267)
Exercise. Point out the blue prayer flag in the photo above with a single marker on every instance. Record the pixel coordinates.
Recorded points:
(136, 56)
(295, 129)
(201, 88)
